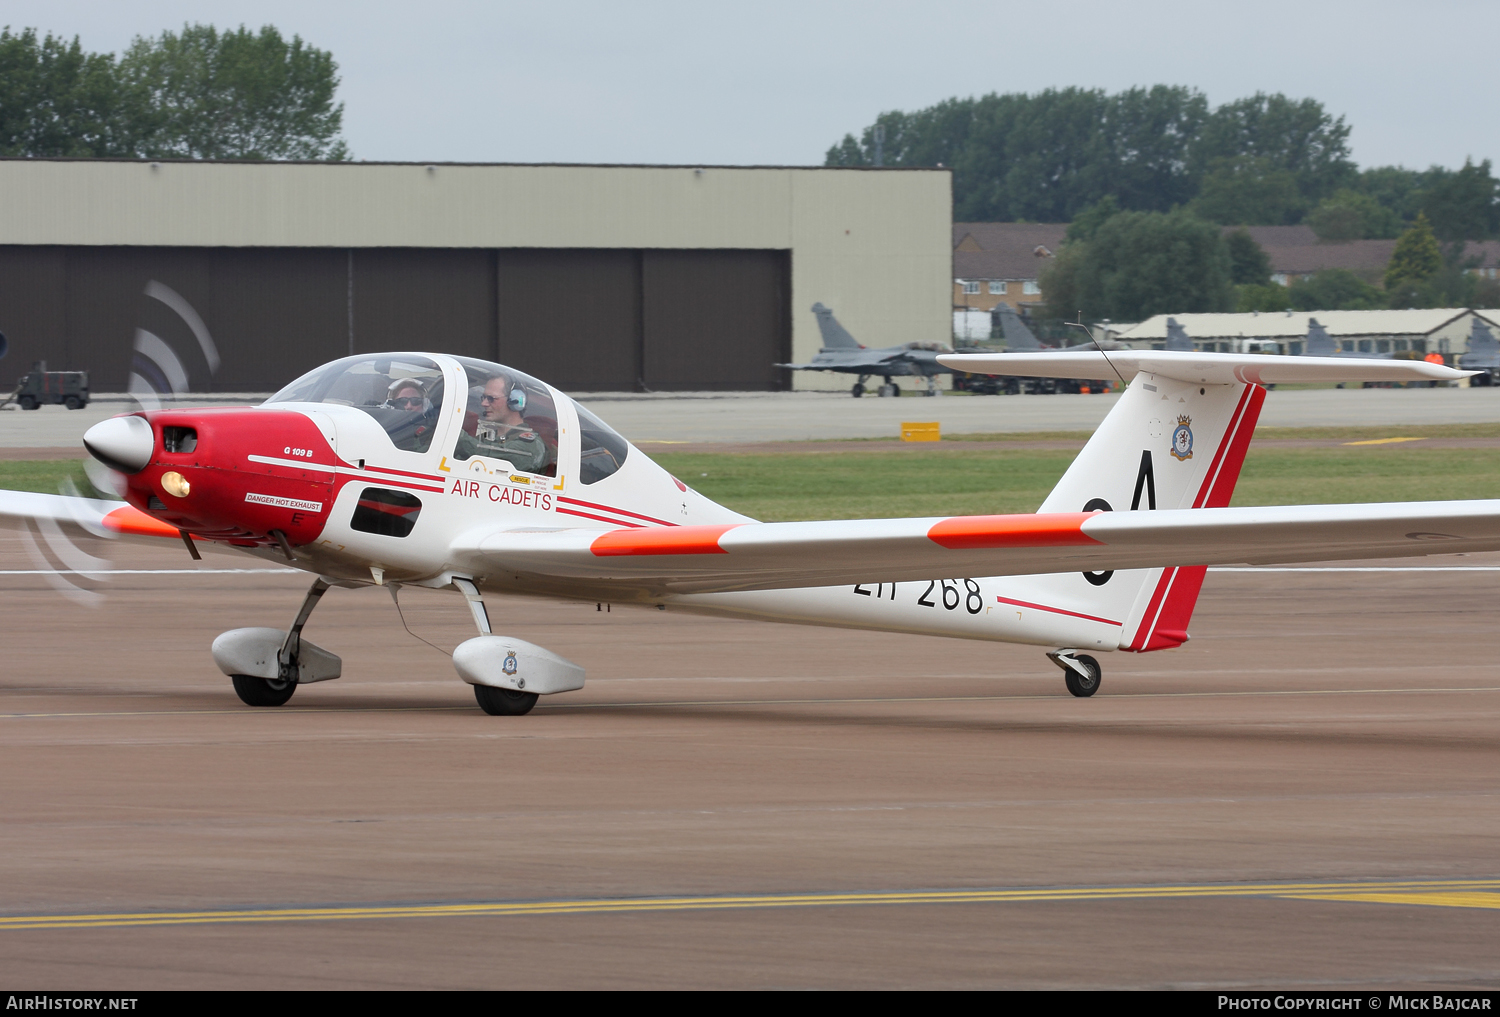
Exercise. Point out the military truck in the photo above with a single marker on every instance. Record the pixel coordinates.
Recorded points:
(70, 388)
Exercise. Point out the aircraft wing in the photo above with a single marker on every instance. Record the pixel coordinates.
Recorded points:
(762, 556)
(1198, 368)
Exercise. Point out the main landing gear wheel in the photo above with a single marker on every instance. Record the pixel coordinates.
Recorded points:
(1079, 685)
(262, 691)
(504, 702)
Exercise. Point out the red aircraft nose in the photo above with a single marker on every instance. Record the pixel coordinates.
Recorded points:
(243, 476)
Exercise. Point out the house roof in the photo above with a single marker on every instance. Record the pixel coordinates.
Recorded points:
(1280, 325)
(1004, 250)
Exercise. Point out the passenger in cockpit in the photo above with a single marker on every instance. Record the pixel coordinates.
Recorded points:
(408, 396)
(503, 433)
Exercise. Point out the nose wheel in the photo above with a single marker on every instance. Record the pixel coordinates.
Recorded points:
(1081, 673)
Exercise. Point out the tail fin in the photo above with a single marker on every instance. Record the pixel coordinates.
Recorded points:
(1177, 337)
(835, 336)
(1166, 444)
(1484, 349)
(1319, 343)
(1018, 338)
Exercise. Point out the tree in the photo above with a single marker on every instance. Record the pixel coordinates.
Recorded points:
(1249, 265)
(1416, 258)
(1295, 135)
(1142, 263)
(1270, 297)
(1334, 289)
(1249, 190)
(203, 94)
(56, 100)
(1352, 215)
(1046, 156)
(1464, 205)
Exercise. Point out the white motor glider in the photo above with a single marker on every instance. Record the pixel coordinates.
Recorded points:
(451, 473)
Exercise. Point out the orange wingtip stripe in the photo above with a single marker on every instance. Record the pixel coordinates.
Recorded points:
(133, 522)
(661, 540)
(1054, 529)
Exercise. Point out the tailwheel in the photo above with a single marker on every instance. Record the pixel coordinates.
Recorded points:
(262, 691)
(504, 702)
(1084, 685)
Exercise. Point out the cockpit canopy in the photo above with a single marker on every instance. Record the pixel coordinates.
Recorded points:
(386, 387)
(508, 416)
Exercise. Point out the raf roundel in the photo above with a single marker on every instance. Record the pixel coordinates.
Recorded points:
(1182, 439)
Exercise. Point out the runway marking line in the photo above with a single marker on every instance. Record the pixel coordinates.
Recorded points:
(311, 710)
(1382, 441)
(1450, 893)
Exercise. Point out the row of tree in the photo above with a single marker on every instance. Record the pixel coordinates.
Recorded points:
(1127, 265)
(1262, 160)
(195, 94)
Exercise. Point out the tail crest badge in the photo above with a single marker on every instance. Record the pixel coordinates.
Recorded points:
(1182, 439)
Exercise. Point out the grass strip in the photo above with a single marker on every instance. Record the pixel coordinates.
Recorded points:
(952, 479)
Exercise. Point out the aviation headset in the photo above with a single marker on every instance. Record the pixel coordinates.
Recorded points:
(515, 395)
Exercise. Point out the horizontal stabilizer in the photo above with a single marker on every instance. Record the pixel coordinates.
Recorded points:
(1200, 368)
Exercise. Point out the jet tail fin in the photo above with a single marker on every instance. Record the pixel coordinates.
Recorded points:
(1018, 338)
(1319, 343)
(1177, 337)
(835, 336)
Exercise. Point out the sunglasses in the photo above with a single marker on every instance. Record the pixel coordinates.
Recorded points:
(408, 402)
(487, 399)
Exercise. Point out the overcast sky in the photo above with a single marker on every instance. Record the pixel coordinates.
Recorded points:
(772, 82)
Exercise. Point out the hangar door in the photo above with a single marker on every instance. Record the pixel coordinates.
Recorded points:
(585, 320)
(630, 321)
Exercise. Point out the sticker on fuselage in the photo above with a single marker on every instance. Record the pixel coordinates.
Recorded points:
(286, 503)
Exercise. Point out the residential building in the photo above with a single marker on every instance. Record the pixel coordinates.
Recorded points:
(1002, 262)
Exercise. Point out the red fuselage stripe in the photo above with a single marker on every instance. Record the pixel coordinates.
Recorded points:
(602, 519)
(405, 473)
(608, 508)
(1055, 610)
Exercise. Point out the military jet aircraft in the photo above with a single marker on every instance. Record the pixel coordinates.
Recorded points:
(1320, 344)
(1020, 339)
(1483, 355)
(843, 353)
(452, 473)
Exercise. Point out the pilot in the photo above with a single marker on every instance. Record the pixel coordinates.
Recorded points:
(410, 432)
(502, 431)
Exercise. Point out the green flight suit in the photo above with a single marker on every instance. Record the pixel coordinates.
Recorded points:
(522, 447)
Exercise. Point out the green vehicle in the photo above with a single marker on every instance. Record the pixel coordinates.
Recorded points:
(70, 388)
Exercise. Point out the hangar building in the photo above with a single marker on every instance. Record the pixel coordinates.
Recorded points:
(596, 278)
(1416, 330)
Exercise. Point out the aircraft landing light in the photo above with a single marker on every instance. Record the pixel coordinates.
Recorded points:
(1484, 893)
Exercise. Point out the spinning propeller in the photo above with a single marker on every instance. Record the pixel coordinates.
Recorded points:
(71, 554)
